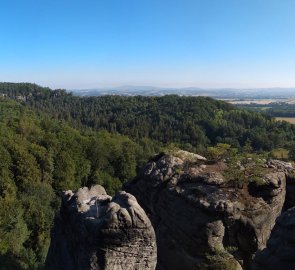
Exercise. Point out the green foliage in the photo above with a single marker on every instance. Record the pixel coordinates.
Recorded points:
(248, 147)
(193, 123)
(220, 262)
(13, 229)
(244, 168)
(107, 181)
(220, 151)
(39, 158)
(221, 259)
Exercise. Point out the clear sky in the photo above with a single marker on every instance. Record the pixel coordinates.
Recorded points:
(171, 43)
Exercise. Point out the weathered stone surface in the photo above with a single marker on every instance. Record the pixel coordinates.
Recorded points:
(289, 171)
(198, 217)
(280, 251)
(96, 231)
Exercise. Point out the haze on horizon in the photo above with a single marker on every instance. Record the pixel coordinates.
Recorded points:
(180, 43)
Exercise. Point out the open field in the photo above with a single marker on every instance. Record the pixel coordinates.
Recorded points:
(280, 153)
(241, 101)
(255, 101)
(288, 119)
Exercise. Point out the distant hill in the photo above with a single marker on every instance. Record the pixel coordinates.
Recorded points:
(224, 93)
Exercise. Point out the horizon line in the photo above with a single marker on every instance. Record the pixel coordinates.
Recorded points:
(110, 87)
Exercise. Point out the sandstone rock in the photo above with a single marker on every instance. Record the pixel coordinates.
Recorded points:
(289, 171)
(279, 164)
(96, 231)
(197, 217)
(280, 251)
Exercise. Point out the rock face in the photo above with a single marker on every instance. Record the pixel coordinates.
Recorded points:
(201, 222)
(289, 171)
(96, 231)
(280, 251)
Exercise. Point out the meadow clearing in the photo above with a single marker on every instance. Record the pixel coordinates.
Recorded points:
(288, 119)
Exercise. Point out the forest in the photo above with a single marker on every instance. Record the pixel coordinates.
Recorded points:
(39, 158)
(51, 141)
(193, 123)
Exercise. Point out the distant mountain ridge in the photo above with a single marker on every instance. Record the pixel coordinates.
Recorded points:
(226, 93)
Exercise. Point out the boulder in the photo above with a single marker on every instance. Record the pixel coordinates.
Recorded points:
(95, 231)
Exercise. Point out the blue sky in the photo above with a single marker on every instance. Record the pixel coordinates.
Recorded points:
(171, 43)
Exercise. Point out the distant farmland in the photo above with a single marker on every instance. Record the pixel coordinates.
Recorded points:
(288, 119)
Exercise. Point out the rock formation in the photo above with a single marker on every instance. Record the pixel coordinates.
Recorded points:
(289, 171)
(201, 221)
(96, 231)
(280, 251)
(203, 216)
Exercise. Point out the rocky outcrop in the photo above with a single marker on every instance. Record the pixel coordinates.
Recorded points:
(96, 231)
(280, 251)
(201, 221)
(289, 171)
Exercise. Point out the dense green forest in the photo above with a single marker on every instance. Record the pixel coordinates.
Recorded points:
(191, 122)
(41, 156)
(52, 141)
